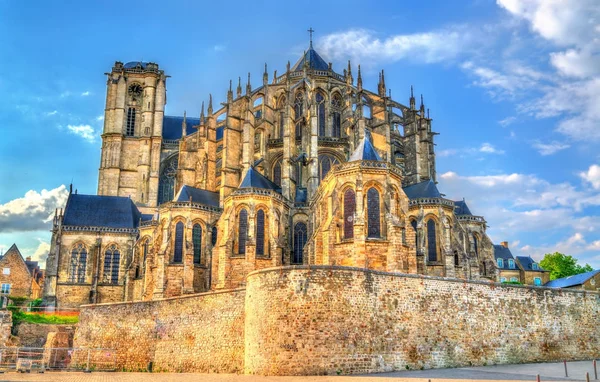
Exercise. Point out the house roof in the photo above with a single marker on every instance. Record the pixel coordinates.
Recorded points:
(527, 264)
(314, 61)
(197, 195)
(461, 208)
(425, 189)
(15, 250)
(101, 211)
(254, 179)
(501, 252)
(574, 280)
(172, 126)
(365, 150)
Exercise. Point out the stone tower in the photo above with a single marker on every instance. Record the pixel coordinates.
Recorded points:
(132, 135)
(418, 143)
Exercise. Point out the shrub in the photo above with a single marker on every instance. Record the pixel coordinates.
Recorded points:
(18, 300)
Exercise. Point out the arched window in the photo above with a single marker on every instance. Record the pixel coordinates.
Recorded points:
(336, 110)
(300, 236)
(257, 141)
(213, 239)
(112, 258)
(166, 184)
(130, 130)
(349, 209)
(326, 162)
(413, 223)
(178, 255)
(260, 233)
(456, 259)
(373, 214)
(145, 254)
(78, 264)
(277, 173)
(197, 242)
(298, 130)
(321, 113)
(242, 231)
(298, 106)
(218, 165)
(431, 241)
(475, 245)
(281, 107)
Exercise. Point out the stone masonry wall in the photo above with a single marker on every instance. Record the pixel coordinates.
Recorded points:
(326, 320)
(193, 333)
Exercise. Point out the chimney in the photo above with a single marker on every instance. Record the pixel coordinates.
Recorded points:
(28, 258)
(504, 244)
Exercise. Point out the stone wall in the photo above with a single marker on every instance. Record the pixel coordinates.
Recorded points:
(194, 333)
(35, 335)
(326, 320)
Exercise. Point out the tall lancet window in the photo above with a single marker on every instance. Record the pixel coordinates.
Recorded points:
(197, 242)
(298, 112)
(373, 213)
(112, 259)
(130, 130)
(321, 113)
(166, 183)
(336, 115)
(277, 173)
(242, 231)
(300, 236)
(431, 241)
(281, 107)
(178, 255)
(349, 209)
(475, 245)
(260, 233)
(413, 223)
(78, 264)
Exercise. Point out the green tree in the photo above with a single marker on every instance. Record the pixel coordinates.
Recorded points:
(561, 265)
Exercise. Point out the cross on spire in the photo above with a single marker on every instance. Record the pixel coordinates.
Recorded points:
(310, 31)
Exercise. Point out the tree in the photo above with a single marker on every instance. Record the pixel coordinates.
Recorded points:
(561, 265)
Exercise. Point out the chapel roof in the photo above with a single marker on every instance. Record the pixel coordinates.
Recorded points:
(197, 195)
(425, 189)
(461, 208)
(365, 150)
(254, 179)
(574, 280)
(314, 61)
(101, 211)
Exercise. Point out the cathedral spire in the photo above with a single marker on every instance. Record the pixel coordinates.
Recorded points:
(310, 31)
(381, 85)
(184, 126)
(248, 86)
(288, 66)
(349, 78)
(239, 87)
(359, 79)
(422, 108)
(412, 99)
(265, 76)
(230, 93)
(202, 114)
(210, 107)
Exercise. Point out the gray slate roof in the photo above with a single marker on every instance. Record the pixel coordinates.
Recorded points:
(574, 280)
(101, 211)
(501, 252)
(314, 61)
(527, 264)
(255, 179)
(172, 126)
(133, 64)
(425, 189)
(461, 208)
(365, 150)
(198, 195)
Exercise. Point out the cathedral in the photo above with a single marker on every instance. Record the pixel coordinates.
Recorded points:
(307, 168)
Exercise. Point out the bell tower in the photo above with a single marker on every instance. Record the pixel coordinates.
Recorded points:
(132, 135)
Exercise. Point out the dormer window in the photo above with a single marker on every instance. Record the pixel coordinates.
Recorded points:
(500, 263)
(534, 266)
(511, 264)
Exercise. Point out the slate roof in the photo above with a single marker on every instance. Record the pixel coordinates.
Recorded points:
(461, 208)
(101, 211)
(314, 61)
(574, 280)
(365, 150)
(198, 195)
(255, 179)
(172, 126)
(501, 252)
(527, 262)
(133, 64)
(425, 189)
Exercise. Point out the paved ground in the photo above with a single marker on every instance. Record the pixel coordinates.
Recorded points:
(524, 372)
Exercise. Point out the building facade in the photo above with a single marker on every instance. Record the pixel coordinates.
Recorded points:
(308, 167)
(18, 277)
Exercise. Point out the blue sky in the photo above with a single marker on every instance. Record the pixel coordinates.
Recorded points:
(513, 87)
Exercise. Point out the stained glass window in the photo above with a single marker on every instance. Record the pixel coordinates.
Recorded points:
(321, 113)
(243, 231)
(178, 255)
(218, 165)
(130, 122)
(326, 162)
(298, 106)
(475, 246)
(78, 264)
(112, 258)
(277, 173)
(214, 236)
(260, 232)
(145, 253)
(431, 241)
(336, 107)
(349, 209)
(413, 223)
(166, 184)
(197, 242)
(300, 236)
(373, 214)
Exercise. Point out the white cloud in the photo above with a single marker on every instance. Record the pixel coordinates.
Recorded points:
(50, 113)
(446, 153)
(507, 121)
(592, 176)
(100, 118)
(65, 94)
(549, 148)
(34, 211)
(84, 131)
(488, 148)
(85, 94)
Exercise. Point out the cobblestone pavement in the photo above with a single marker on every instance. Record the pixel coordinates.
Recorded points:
(524, 372)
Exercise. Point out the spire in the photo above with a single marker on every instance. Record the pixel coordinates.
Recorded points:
(349, 78)
(428, 113)
(275, 76)
(210, 108)
(239, 87)
(359, 79)
(288, 66)
(184, 126)
(248, 86)
(382, 84)
(422, 108)
(265, 76)
(229, 93)
(310, 31)
(202, 114)
(412, 99)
